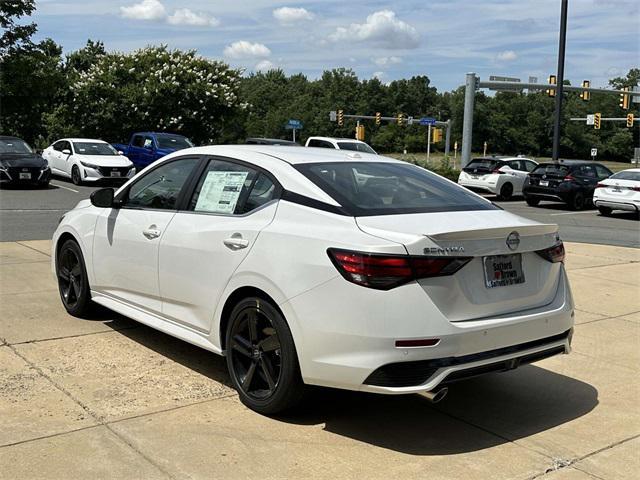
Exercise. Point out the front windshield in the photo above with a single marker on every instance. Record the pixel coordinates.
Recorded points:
(376, 188)
(14, 145)
(94, 148)
(626, 175)
(174, 141)
(355, 146)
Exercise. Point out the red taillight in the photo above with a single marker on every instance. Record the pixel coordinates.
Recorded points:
(384, 272)
(635, 189)
(554, 254)
(497, 170)
(601, 185)
(568, 178)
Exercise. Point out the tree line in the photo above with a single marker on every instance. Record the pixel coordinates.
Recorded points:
(91, 92)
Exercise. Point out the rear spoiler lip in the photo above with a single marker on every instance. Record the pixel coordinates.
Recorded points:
(495, 233)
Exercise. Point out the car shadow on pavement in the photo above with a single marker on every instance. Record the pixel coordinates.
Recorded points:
(476, 414)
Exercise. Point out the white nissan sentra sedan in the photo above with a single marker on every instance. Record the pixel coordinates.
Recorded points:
(319, 267)
(87, 160)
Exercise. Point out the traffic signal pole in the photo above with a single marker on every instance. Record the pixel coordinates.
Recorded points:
(559, 90)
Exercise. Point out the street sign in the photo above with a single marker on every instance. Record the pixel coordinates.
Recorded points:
(427, 121)
(293, 124)
(409, 120)
(496, 78)
(594, 152)
(591, 119)
(333, 116)
(636, 98)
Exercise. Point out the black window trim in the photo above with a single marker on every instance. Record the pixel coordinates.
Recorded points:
(183, 206)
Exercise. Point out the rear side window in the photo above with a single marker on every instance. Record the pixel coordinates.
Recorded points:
(228, 188)
(602, 172)
(372, 188)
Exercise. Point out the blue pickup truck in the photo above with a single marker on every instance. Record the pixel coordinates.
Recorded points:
(147, 147)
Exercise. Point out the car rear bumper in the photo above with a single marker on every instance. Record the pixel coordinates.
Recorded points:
(614, 205)
(355, 347)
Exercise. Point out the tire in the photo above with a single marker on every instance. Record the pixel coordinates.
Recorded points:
(262, 360)
(606, 211)
(577, 201)
(532, 202)
(506, 191)
(73, 282)
(76, 178)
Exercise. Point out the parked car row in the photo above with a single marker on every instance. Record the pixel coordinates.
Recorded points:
(574, 182)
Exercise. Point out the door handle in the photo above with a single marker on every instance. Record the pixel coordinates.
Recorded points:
(236, 242)
(151, 232)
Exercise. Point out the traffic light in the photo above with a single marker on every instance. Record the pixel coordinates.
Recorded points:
(360, 132)
(552, 81)
(630, 120)
(624, 99)
(596, 120)
(436, 135)
(585, 94)
(378, 118)
(400, 119)
(340, 118)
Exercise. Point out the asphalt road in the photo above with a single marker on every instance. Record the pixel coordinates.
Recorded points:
(33, 214)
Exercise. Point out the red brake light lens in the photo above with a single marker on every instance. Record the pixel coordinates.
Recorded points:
(601, 185)
(568, 178)
(553, 254)
(384, 272)
(497, 170)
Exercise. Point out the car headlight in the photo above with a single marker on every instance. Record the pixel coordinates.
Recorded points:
(89, 165)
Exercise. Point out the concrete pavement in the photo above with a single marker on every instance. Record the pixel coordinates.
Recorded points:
(109, 398)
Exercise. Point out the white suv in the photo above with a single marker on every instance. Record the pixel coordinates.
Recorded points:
(339, 144)
(502, 176)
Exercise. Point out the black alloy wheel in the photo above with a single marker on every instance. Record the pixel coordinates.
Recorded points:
(577, 201)
(72, 279)
(506, 191)
(261, 357)
(606, 211)
(75, 175)
(532, 202)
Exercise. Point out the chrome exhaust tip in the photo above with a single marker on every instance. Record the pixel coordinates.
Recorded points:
(434, 396)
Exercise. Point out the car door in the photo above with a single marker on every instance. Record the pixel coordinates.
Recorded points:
(67, 158)
(517, 173)
(204, 244)
(126, 239)
(54, 157)
(147, 153)
(588, 178)
(135, 150)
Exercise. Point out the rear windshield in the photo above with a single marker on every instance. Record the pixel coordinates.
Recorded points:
(372, 188)
(483, 164)
(358, 147)
(551, 169)
(173, 141)
(627, 176)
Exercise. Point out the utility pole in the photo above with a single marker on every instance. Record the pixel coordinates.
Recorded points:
(428, 142)
(560, 82)
(467, 123)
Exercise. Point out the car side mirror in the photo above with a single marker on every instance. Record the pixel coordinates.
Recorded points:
(120, 152)
(66, 151)
(103, 198)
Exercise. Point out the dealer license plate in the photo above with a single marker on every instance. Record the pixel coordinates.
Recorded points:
(544, 183)
(25, 176)
(503, 270)
(115, 174)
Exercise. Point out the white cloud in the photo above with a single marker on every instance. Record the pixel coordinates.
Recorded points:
(386, 61)
(507, 56)
(288, 15)
(379, 75)
(264, 66)
(145, 10)
(382, 28)
(184, 16)
(244, 49)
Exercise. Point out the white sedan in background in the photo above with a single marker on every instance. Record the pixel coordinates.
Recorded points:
(87, 160)
(621, 191)
(308, 266)
(502, 176)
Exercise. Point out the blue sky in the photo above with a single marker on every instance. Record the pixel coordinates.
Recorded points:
(443, 39)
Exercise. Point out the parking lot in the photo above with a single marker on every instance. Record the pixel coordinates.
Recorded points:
(109, 398)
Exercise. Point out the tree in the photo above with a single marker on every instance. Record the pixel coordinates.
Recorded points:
(15, 35)
(153, 88)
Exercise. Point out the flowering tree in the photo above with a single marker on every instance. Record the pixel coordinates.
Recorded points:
(151, 89)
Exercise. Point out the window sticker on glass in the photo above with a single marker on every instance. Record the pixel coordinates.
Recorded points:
(220, 192)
